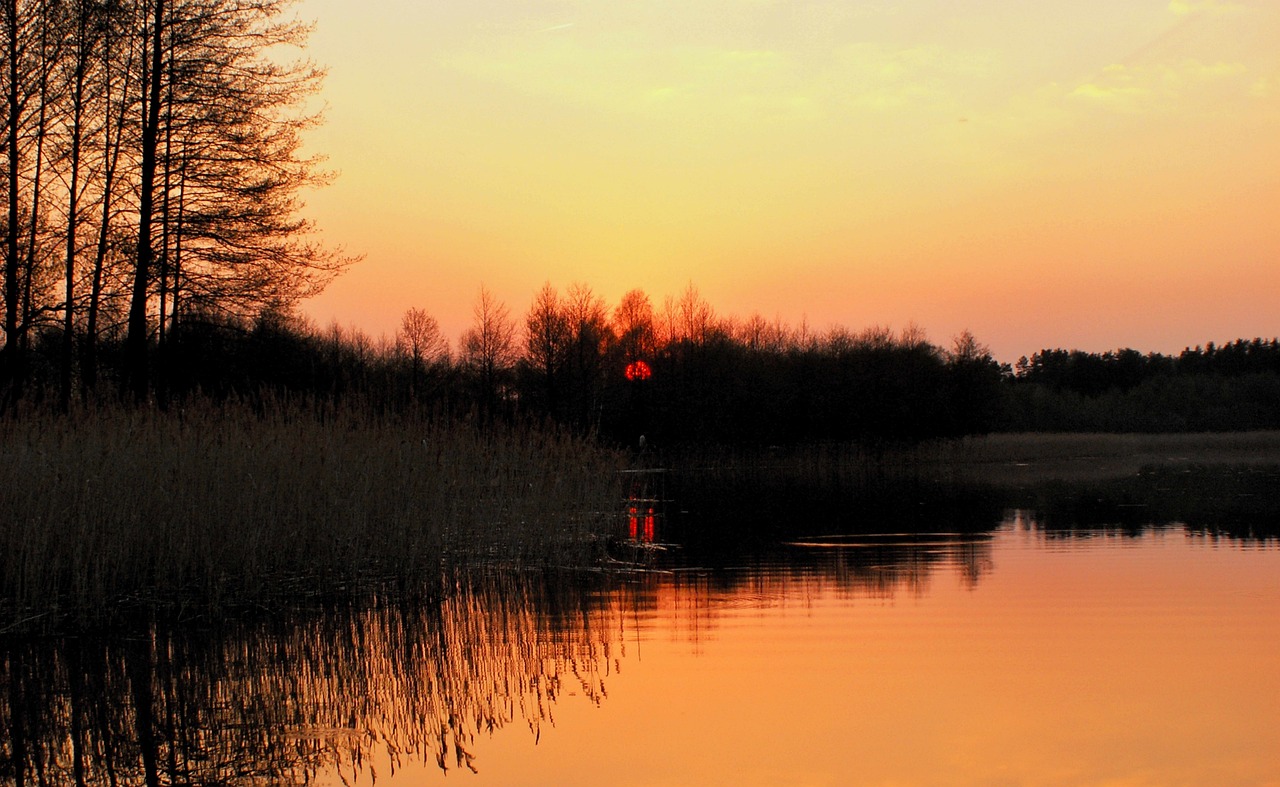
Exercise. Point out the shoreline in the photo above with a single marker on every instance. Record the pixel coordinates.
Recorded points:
(1016, 459)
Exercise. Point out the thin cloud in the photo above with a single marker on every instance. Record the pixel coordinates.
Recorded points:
(1185, 7)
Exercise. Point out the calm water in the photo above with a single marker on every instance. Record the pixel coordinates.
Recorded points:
(1016, 655)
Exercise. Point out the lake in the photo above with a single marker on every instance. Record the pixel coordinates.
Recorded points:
(1083, 635)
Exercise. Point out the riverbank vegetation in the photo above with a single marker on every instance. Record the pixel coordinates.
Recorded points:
(204, 507)
(682, 376)
(1013, 460)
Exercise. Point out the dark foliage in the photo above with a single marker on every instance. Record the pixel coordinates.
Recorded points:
(724, 382)
(1232, 387)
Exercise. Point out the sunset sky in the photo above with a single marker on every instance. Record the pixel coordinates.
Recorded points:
(1093, 174)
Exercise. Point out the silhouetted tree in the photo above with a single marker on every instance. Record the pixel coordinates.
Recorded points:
(586, 318)
(976, 387)
(179, 119)
(633, 326)
(420, 340)
(689, 318)
(489, 349)
(1215, 387)
(547, 337)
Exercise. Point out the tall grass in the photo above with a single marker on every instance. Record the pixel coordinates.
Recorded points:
(222, 505)
(1024, 458)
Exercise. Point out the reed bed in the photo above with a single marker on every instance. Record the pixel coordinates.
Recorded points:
(1001, 459)
(206, 507)
(1025, 458)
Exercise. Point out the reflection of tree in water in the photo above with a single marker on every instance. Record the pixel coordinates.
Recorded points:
(276, 702)
(1237, 502)
(848, 567)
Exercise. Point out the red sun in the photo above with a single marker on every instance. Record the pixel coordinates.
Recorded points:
(638, 370)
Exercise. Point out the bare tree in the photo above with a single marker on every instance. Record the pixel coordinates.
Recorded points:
(589, 336)
(152, 33)
(914, 337)
(169, 131)
(546, 343)
(489, 347)
(233, 164)
(965, 348)
(18, 25)
(688, 318)
(420, 340)
(757, 333)
(116, 82)
(634, 327)
(83, 32)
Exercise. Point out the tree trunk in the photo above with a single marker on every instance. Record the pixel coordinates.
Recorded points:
(136, 339)
(9, 373)
(111, 161)
(42, 124)
(73, 208)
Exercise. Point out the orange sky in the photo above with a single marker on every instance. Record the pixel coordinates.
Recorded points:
(1092, 174)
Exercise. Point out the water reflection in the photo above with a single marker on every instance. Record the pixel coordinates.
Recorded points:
(405, 679)
(637, 514)
(277, 700)
(1236, 502)
(340, 689)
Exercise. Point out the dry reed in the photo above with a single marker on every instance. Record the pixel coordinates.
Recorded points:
(221, 505)
(1025, 458)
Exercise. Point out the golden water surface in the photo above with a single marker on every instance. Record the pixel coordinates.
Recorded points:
(1016, 656)
(1021, 657)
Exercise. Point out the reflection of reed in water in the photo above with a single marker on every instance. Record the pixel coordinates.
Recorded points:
(341, 688)
(280, 701)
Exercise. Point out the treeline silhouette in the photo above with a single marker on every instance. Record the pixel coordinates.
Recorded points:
(675, 374)
(1229, 387)
(681, 374)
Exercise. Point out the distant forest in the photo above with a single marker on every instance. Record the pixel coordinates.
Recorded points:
(150, 171)
(1228, 387)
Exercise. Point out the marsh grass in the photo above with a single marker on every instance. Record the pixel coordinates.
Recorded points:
(1000, 459)
(206, 507)
(1022, 459)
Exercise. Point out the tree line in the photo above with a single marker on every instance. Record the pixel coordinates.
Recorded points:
(675, 373)
(151, 164)
(679, 372)
(1228, 387)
